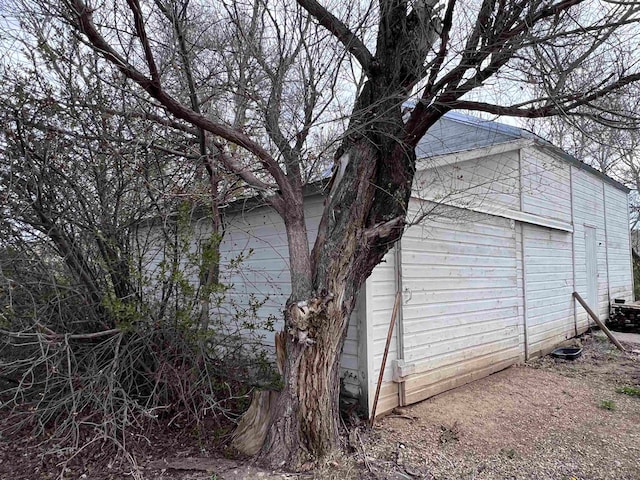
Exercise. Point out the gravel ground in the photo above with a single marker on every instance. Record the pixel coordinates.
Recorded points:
(547, 419)
(541, 420)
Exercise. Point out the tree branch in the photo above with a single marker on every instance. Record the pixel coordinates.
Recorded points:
(84, 22)
(134, 5)
(447, 23)
(52, 336)
(332, 23)
(548, 110)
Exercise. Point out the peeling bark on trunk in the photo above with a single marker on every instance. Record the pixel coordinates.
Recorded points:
(306, 413)
(364, 216)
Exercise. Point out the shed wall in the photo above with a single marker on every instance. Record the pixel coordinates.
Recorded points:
(545, 182)
(588, 210)
(381, 291)
(618, 244)
(490, 182)
(548, 270)
(461, 308)
(480, 290)
(257, 234)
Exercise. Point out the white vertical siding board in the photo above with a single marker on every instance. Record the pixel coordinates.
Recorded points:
(545, 185)
(618, 243)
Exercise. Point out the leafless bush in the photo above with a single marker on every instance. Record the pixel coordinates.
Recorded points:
(79, 386)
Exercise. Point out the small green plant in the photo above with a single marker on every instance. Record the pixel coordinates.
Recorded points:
(509, 453)
(631, 391)
(600, 338)
(612, 354)
(607, 405)
(449, 434)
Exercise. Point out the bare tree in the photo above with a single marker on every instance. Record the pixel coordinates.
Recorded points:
(482, 55)
(90, 193)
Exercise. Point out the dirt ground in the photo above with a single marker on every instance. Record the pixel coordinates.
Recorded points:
(548, 419)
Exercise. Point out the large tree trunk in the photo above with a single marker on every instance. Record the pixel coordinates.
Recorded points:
(364, 215)
(306, 413)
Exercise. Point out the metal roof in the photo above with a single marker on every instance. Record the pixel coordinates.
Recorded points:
(457, 132)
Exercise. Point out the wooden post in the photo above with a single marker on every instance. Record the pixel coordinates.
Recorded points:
(384, 357)
(602, 326)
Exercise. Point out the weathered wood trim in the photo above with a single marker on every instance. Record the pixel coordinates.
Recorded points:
(518, 216)
(472, 154)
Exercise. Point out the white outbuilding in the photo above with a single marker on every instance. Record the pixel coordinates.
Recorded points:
(505, 228)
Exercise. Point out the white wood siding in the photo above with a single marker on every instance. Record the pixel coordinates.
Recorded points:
(618, 243)
(545, 185)
(491, 182)
(548, 286)
(588, 209)
(461, 318)
(258, 234)
(266, 272)
(381, 292)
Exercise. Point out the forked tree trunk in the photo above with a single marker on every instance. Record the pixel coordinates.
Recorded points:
(359, 226)
(363, 217)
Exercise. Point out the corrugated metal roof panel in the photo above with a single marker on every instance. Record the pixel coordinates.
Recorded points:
(458, 132)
